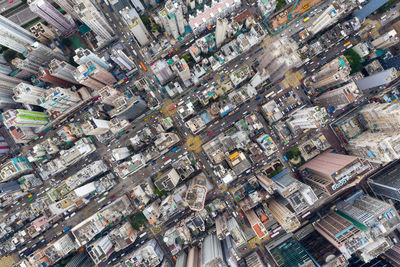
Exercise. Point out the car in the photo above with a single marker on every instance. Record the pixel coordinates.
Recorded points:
(165, 159)
(210, 133)
(112, 196)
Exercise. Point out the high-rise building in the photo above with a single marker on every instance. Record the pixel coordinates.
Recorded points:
(172, 19)
(360, 225)
(54, 17)
(284, 216)
(209, 14)
(135, 24)
(4, 66)
(387, 40)
(95, 126)
(378, 79)
(181, 260)
(108, 94)
(99, 73)
(311, 117)
(237, 233)
(211, 252)
(138, 5)
(298, 195)
(182, 68)
(329, 172)
(266, 7)
(7, 83)
(380, 143)
(279, 57)
(256, 224)
(42, 32)
(62, 70)
(24, 118)
(82, 77)
(14, 36)
(45, 76)
(92, 17)
(68, 6)
(385, 182)
(168, 180)
(335, 72)
(14, 168)
(125, 63)
(331, 80)
(220, 31)
(101, 249)
(41, 54)
(26, 65)
(6, 101)
(27, 94)
(128, 107)
(221, 226)
(254, 260)
(193, 259)
(83, 56)
(328, 17)
(339, 97)
(162, 71)
(59, 99)
(338, 231)
(21, 135)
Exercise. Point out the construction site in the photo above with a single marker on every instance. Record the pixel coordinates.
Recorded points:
(283, 18)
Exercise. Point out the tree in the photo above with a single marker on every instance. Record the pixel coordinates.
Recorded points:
(145, 20)
(354, 60)
(157, 27)
(9, 55)
(138, 221)
(66, 42)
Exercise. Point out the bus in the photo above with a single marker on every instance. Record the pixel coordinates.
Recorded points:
(143, 66)
(270, 94)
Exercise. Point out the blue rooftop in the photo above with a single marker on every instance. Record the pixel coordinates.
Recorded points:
(369, 8)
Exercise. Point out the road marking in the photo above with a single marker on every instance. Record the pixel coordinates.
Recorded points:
(155, 229)
(194, 143)
(168, 108)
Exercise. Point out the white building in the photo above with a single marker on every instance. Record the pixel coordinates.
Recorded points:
(135, 24)
(312, 117)
(211, 252)
(28, 94)
(13, 36)
(51, 15)
(125, 63)
(14, 168)
(92, 17)
(83, 56)
(220, 31)
(95, 126)
(172, 19)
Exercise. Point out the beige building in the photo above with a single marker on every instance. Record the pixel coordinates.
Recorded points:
(381, 142)
(386, 40)
(329, 172)
(339, 97)
(168, 180)
(284, 216)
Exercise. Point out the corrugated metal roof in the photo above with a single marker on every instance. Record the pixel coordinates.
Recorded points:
(369, 8)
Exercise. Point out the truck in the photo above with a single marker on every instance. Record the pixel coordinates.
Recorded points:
(66, 229)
